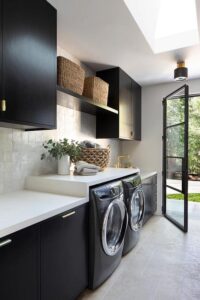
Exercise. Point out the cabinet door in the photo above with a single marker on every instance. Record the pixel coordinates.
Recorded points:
(137, 110)
(125, 107)
(19, 265)
(149, 186)
(29, 55)
(64, 255)
(1, 37)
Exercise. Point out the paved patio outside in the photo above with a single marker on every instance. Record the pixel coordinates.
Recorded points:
(193, 186)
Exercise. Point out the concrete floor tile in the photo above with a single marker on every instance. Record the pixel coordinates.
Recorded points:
(165, 265)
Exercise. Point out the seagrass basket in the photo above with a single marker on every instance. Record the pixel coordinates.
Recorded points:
(97, 156)
(96, 89)
(70, 75)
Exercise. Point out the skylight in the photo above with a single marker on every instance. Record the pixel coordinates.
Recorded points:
(166, 24)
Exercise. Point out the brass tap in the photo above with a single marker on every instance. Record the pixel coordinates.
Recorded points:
(119, 163)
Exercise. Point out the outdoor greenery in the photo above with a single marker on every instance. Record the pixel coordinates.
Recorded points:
(194, 135)
(191, 197)
(62, 148)
(175, 135)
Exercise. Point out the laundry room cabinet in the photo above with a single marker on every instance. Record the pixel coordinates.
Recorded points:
(28, 73)
(46, 261)
(124, 96)
(149, 186)
(64, 255)
(19, 265)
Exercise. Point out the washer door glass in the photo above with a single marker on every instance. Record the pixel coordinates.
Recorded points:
(136, 209)
(114, 227)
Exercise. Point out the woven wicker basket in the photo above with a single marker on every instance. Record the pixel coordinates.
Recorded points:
(70, 75)
(96, 89)
(97, 156)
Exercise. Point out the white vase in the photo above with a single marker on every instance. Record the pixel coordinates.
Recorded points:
(64, 165)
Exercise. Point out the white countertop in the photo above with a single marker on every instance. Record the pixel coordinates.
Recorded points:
(50, 195)
(21, 209)
(145, 175)
(73, 184)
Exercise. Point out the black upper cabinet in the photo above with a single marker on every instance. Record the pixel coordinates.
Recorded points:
(19, 265)
(28, 64)
(125, 96)
(64, 255)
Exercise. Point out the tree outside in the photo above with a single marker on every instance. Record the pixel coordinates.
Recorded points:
(175, 136)
(175, 145)
(194, 136)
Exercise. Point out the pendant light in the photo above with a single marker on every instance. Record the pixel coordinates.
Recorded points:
(181, 72)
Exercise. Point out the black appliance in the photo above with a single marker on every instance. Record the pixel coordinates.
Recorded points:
(108, 223)
(135, 203)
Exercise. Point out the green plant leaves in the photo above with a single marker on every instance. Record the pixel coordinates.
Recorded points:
(62, 148)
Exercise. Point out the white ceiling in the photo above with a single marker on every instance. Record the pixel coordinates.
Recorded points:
(102, 33)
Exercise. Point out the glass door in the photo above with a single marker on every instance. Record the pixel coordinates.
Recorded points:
(175, 157)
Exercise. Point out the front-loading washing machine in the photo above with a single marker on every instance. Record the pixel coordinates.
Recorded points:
(108, 223)
(135, 205)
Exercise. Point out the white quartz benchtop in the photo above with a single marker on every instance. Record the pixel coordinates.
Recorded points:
(145, 175)
(21, 209)
(75, 185)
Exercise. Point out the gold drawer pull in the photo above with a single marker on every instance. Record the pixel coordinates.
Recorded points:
(68, 215)
(3, 105)
(4, 243)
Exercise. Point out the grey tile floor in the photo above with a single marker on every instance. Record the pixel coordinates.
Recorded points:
(165, 265)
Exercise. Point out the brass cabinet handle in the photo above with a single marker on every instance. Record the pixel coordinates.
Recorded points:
(68, 215)
(3, 105)
(5, 243)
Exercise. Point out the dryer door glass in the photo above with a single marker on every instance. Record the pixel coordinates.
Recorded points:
(136, 209)
(114, 227)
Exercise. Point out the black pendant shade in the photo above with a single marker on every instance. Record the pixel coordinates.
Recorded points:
(181, 72)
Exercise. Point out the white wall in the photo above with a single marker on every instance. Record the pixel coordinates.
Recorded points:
(147, 154)
(20, 151)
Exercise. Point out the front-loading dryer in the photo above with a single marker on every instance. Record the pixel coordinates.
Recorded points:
(135, 204)
(108, 223)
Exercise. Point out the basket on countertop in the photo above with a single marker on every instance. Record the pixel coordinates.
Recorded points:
(97, 156)
(70, 75)
(96, 89)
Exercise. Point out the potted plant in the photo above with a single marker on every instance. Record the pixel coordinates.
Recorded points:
(64, 151)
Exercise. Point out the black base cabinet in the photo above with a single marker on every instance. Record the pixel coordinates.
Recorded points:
(64, 255)
(19, 265)
(149, 186)
(47, 261)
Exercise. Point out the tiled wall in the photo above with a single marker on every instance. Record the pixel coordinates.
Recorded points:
(20, 151)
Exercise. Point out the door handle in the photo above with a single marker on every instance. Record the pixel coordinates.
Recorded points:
(5, 243)
(183, 175)
(3, 105)
(68, 215)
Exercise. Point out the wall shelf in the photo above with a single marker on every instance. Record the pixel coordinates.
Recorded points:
(84, 104)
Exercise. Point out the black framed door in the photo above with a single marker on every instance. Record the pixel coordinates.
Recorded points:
(175, 157)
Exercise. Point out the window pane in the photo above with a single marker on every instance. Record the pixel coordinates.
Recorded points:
(174, 172)
(175, 205)
(175, 141)
(175, 111)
